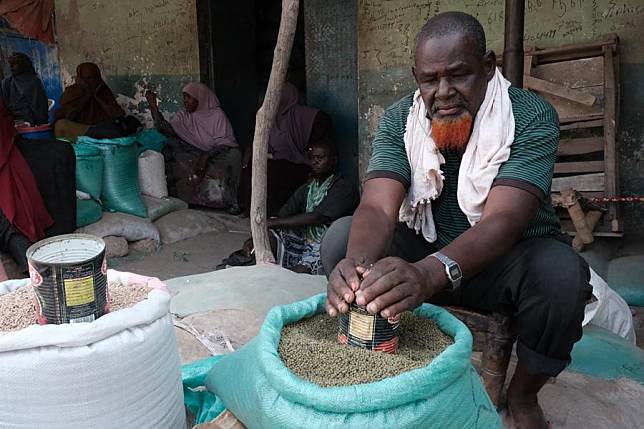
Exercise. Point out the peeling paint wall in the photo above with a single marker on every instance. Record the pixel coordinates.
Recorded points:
(139, 45)
(387, 29)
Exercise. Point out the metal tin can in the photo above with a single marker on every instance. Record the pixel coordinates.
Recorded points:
(358, 328)
(69, 276)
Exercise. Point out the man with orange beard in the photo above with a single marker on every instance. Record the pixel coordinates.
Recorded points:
(456, 210)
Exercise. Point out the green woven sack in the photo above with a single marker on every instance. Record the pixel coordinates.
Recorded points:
(151, 139)
(203, 405)
(120, 191)
(87, 212)
(603, 354)
(625, 276)
(260, 391)
(89, 170)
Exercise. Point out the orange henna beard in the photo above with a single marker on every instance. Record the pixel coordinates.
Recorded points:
(452, 133)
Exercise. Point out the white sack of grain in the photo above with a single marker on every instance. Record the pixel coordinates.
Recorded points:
(152, 174)
(120, 371)
(132, 228)
(609, 310)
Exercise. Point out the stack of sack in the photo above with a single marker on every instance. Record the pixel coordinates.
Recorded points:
(89, 183)
(123, 196)
(121, 190)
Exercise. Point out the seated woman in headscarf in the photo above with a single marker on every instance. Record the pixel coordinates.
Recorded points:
(203, 145)
(88, 107)
(23, 92)
(297, 231)
(23, 214)
(296, 128)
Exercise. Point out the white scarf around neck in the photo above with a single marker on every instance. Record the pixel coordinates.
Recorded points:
(488, 148)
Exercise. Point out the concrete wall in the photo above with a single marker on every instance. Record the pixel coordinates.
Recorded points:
(386, 32)
(331, 72)
(138, 45)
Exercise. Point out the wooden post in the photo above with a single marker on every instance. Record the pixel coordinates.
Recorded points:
(611, 149)
(592, 219)
(570, 201)
(513, 42)
(265, 120)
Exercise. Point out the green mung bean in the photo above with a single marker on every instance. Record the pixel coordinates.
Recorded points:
(310, 349)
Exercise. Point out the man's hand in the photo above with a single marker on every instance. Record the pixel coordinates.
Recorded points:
(344, 281)
(394, 285)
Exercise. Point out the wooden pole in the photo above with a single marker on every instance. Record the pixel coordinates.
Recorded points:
(592, 219)
(570, 201)
(513, 42)
(265, 119)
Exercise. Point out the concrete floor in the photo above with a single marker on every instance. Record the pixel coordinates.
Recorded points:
(195, 255)
(572, 401)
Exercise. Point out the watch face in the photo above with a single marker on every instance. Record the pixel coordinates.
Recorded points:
(455, 272)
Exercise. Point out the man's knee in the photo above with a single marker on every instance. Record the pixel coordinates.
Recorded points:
(334, 244)
(553, 290)
(558, 275)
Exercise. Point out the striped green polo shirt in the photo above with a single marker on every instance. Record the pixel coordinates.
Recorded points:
(530, 166)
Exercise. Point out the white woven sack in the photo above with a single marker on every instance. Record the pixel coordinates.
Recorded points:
(121, 371)
(152, 174)
(609, 311)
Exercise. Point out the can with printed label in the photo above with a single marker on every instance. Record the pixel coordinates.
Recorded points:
(69, 276)
(358, 328)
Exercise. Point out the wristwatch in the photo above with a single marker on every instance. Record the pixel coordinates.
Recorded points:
(452, 269)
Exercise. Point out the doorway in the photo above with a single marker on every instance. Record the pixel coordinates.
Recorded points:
(236, 44)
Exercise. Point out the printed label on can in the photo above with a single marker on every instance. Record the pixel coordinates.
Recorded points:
(79, 291)
(104, 266)
(361, 326)
(86, 319)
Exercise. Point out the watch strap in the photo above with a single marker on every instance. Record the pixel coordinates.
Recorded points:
(448, 263)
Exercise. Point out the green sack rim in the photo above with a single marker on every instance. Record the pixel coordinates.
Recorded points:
(444, 370)
(120, 141)
(86, 151)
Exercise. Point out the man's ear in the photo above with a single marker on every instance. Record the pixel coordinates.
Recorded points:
(413, 72)
(489, 60)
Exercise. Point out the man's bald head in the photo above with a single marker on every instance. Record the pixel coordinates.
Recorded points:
(449, 23)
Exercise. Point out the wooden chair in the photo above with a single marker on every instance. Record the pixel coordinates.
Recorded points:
(494, 336)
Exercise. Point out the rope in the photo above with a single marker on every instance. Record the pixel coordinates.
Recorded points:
(632, 199)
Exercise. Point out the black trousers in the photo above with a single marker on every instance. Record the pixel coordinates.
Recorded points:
(14, 243)
(541, 282)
